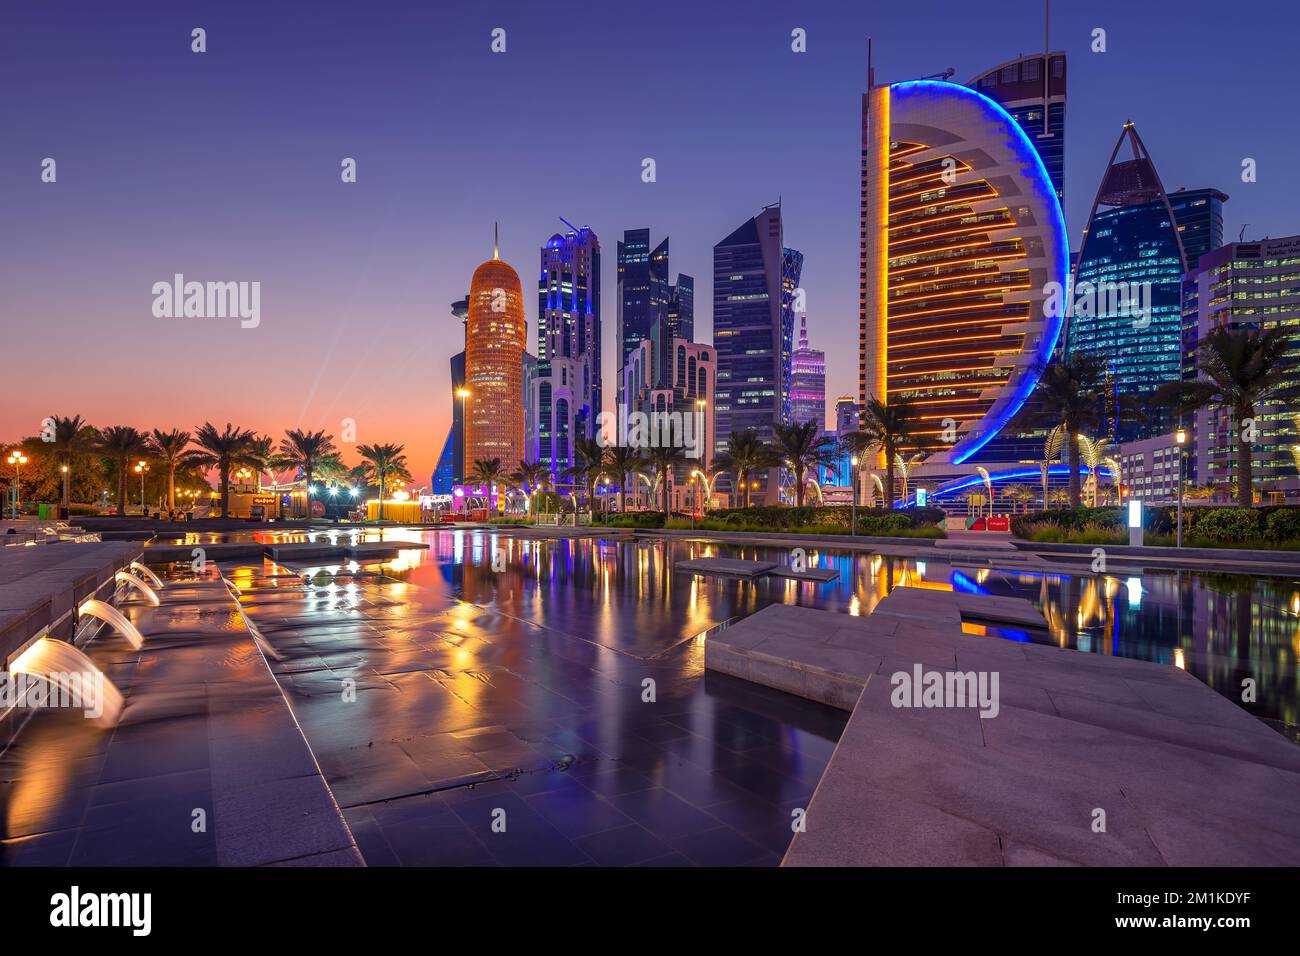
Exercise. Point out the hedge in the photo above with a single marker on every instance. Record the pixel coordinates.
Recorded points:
(1229, 525)
(780, 518)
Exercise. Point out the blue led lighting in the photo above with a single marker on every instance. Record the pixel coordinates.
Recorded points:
(1036, 173)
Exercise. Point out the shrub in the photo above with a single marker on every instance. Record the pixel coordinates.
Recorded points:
(1228, 524)
(1283, 524)
(637, 519)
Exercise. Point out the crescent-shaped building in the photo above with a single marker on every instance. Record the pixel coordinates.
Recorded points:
(961, 238)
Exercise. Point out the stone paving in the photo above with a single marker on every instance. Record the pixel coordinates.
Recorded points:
(1183, 775)
(205, 729)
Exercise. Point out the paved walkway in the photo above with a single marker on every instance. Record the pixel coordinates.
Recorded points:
(1089, 760)
(206, 767)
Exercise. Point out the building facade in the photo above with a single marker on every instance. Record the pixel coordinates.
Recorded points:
(1032, 90)
(750, 281)
(1239, 286)
(496, 334)
(564, 390)
(681, 389)
(1132, 248)
(808, 381)
(961, 235)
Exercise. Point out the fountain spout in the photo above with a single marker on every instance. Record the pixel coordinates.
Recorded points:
(145, 572)
(132, 581)
(71, 679)
(113, 618)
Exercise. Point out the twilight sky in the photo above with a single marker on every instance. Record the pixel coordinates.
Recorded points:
(225, 166)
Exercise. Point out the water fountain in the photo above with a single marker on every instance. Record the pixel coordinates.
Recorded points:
(145, 572)
(66, 671)
(113, 618)
(131, 581)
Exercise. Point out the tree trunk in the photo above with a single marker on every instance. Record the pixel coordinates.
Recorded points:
(798, 488)
(889, 485)
(744, 485)
(121, 487)
(1074, 469)
(1245, 487)
(383, 481)
(171, 487)
(225, 489)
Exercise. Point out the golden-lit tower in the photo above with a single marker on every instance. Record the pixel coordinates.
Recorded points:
(495, 335)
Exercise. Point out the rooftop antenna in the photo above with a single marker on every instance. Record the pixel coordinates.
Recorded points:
(871, 70)
(496, 241)
(569, 224)
(1047, 59)
(1241, 236)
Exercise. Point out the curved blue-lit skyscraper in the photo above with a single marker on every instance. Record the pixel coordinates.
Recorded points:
(962, 237)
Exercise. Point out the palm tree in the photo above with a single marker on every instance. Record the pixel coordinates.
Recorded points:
(888, 429)
(1071, 392)
(170, 448)
(662, 459)
(264, 459)
(530, 477)
(121, 443)
(73, 439)
(1093, 454)
(588, 464)
(488, 472)
(622, 462)
(385, 461)
(745, 455)
(306, 450)
(1052, 446)
(1239, 370)
(1019, 494)
(803, 446)
(222, 450)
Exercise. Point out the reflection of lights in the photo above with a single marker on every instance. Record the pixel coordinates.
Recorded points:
(1180, 660)
(920, 567)
(855, 606)
(1134, 592)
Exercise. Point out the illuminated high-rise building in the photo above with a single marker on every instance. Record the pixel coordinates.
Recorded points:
(564, 393)
(643, 290)
(808, 381)
(754, 277)
(961, 232)
(450, 470)
(1132, 243)
(496, 334)
(1032, 90)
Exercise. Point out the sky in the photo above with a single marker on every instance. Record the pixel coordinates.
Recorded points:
(225, 166)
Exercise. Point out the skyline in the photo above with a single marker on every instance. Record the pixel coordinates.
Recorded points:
(357, 279)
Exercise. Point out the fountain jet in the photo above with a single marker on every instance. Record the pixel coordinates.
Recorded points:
(144, 571)
(132, 581)
(73, 677)
(113, 618)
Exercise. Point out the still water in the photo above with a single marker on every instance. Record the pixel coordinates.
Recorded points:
(621, 593)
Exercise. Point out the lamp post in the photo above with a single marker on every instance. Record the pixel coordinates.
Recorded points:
(17, 459)
(140, 469)
(463, 395)
(1180, 439)
(853, 477)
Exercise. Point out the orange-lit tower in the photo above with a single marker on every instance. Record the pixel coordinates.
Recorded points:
(495, 335)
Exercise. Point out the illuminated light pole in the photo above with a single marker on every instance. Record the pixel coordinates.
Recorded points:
(64, 510)
(17, 459)
(463, 395)
(853, 469)
(140, 469)
(1180, 439)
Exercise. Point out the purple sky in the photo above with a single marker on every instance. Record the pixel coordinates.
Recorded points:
(225, 166)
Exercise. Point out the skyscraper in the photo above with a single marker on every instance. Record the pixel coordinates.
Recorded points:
(791, 270)
(1199, 214)
(1132, 242)
(643, 289)
(495, 336)
(749, 305)
(961, 232)
(1247, 285)
(564, 394)
(1032, 90)
(450, 470)
(808, 381)
(846, 416)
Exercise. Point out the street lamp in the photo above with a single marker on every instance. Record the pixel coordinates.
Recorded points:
(140, 469)
(463, 395)
(1180, 439)
(853, 463)
(17, 459)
